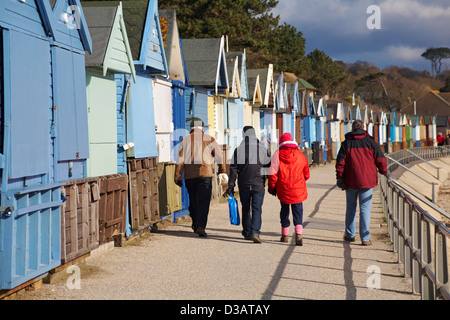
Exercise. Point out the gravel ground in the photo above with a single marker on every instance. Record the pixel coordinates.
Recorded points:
(175, 264)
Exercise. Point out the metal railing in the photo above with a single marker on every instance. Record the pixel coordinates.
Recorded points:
(420, 240)
(433, 184)
(405, 156)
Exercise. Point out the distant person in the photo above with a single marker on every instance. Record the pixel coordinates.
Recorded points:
(440, 139)
(356, 173)
(249, 164)
(288, 173)
(196, 155)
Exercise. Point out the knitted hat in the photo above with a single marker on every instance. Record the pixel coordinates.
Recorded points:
(286, 141)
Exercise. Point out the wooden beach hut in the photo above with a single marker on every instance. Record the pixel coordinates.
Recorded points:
(235, 108)
(173, 199)
(415, 130)
(137, 130)
(376, 124)
(255, 101)
(44, 130)
(207, 71)
(264, 101)
(111, 56)
(309, 122)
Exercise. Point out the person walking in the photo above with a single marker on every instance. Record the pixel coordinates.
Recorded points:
(288, 173)
(356, 172)
(440, 139)
(249, 164)
(196, 155)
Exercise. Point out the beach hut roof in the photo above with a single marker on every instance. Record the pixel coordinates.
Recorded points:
(206, 62)
(144, 33)
(172, 45)
(266, 82)
(111, 49)
(303, 84)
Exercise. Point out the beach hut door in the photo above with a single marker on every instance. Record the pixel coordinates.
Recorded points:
(69, 93)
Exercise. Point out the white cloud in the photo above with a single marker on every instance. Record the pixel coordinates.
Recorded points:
(339, 27)
(350, 17)
(404, 53)
(340, 15)
(415, 9)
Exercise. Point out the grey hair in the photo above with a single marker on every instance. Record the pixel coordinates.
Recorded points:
(357, 124)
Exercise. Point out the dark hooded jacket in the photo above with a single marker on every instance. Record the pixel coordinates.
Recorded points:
(249, 164)
(358, 160)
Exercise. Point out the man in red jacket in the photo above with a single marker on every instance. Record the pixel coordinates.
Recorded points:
(288, 173)
(356, 173)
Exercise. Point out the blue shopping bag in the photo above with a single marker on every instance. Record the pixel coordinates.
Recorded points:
(234, 210)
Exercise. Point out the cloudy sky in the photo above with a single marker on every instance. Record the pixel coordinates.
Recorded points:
(340, 29)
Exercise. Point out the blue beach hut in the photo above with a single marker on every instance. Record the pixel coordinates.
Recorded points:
(144, 32)
(262, 88)
(178, 79)
(44, 136)
(136, 128)
(238, 92)
(206, 67)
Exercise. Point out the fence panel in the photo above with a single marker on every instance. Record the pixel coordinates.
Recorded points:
(113, 206)
(143, 189)
(80, 218)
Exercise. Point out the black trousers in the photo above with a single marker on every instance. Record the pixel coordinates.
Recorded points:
(200, 190)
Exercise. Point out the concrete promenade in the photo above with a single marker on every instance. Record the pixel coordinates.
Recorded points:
(176, 264)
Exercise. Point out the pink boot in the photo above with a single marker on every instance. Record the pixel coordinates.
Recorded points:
(284, 234)
(299, 237)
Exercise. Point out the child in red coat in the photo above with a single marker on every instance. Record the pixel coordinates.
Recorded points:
(288, 173)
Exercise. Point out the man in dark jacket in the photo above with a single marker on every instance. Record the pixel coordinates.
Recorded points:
(356, 172)
(250, 163)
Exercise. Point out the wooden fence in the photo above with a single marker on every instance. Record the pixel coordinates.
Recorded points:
(143, 189)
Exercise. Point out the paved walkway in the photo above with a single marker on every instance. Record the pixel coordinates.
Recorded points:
(176, 264)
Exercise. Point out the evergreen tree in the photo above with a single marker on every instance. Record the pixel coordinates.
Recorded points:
(446, 88)
(325, 74)
(249, 24)
(436, 55)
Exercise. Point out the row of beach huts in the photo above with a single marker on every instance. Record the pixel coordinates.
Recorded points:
(95, 97)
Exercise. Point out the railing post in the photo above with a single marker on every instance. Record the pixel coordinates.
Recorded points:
(433, 194)
(426, 260)
(395, 219)
(390, 210)
(441, 263)
(409, 252)
(401, 228)
(416, 269)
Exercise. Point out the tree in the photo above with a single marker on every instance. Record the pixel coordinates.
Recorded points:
(436, 55)
(322, 72)
(287, 48)
(369, 80)
(248, 24)
(446, 88)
